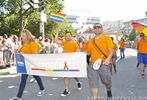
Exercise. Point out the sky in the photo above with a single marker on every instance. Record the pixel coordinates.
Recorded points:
(107, 10)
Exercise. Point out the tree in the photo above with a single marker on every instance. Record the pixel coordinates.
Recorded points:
(14, 17)
(11, 8)
(133, 35)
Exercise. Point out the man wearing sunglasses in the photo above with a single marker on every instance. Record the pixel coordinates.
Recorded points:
(142, 53)
(100, 48)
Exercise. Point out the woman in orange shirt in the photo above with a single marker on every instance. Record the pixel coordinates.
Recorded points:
(29, 46)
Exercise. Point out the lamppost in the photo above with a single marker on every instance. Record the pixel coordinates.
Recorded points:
(42, 18)
(40, 4)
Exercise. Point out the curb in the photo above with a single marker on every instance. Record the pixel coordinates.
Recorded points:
(8, 71)
(4, 73)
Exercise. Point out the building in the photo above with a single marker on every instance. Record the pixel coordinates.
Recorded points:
(92, 20)
(82, 20)
(113, 26)
(72, 19)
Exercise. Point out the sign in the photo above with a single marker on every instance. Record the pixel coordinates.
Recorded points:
(53, 65)
(43, 17)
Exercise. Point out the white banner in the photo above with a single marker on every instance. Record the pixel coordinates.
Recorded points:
(54, 65)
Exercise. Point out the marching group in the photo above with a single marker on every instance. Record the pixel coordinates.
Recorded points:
(101, 48)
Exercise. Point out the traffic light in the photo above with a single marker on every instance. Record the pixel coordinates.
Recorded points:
(41, 5)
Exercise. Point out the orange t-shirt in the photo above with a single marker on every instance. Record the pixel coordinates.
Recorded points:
(30, 48)
(115, 46)
(142, 46)
(122, 44)
(84, 47)
(104, 42)
(71, 46)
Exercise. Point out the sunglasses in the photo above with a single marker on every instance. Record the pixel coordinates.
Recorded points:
(142, 35)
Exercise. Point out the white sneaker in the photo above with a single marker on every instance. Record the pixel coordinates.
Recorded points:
(15, 98)
(41, 93)
(33, 80)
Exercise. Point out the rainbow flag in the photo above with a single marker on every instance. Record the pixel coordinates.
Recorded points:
(57, 17)
(140, 27)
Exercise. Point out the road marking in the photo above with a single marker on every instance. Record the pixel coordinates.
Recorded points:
(50, 94)
(54, 78)
(12, 86)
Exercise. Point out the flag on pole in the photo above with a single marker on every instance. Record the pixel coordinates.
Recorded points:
(57, 17)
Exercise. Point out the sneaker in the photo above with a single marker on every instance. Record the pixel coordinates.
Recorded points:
(65, 93)
(33, 80)
(16, 98)
(79, 85)
(41, 93)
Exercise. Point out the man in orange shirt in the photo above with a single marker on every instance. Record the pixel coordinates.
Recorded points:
(122, 48)
(104, 42)
(69, 46)
(142, 53)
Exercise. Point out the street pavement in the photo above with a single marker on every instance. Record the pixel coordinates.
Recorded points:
(125, 83)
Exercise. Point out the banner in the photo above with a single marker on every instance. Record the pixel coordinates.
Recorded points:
(53, 65)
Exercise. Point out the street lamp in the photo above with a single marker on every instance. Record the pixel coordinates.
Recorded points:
(42, 18)
(40, 4)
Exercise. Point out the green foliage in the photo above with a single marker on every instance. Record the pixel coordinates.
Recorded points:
(133, 35)
(32, 23)
(65, 27)
(53, 26)
(9, 25)
(13, 16)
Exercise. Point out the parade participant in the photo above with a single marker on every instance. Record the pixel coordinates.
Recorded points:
(114, 57)
(29, 46)
(122, 48)
(100, 48)
(142, 53)
(83, 43)
(84, 49)
(69, 46)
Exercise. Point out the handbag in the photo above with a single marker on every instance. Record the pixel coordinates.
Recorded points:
(98, 63)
